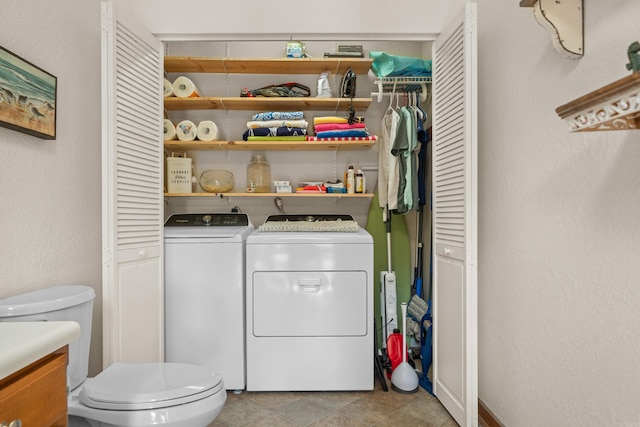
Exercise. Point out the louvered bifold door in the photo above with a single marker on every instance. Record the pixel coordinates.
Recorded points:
(455, 219)
(132, 191)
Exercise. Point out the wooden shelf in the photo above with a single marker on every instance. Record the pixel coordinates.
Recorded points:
(223, 195)
(191, 64)
(615, 106)
(268, 145)
(266, 103)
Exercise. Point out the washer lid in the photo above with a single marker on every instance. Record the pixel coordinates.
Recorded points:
(149, 385)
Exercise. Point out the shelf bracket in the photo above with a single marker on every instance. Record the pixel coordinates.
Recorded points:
(564, 21)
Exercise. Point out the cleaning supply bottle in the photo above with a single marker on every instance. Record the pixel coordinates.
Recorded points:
(394, 350)
(360, 182)
(350, 180)
(324, 90)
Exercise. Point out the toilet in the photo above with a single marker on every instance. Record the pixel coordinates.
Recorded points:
(140, 394)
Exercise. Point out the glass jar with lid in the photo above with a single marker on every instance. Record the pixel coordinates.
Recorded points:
(258, 174)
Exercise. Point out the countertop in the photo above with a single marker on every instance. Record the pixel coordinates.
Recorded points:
(22, 343)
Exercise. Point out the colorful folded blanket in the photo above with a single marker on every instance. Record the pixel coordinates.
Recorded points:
(338, 126)
(277, 132)
(342, 133)
(277, 123)
(329, 119)
(279, 138)
(347, 138)
(277, 115)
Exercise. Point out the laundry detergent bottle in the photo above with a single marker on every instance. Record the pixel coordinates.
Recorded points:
(258, 174)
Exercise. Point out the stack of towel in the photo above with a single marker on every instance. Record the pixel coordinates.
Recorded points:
(329, 128)
(289, 125)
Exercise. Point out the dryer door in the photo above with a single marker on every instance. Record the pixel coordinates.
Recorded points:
(309, 303)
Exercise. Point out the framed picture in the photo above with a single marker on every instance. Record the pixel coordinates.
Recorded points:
(28, 96)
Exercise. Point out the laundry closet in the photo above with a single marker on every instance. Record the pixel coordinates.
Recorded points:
(130, 252)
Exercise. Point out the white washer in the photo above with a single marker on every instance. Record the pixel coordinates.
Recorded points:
(204, 292)
(309, 310)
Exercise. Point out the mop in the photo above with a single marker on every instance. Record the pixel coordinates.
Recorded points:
(388, 296)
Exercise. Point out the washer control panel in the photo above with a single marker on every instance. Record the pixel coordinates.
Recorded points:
(233, 219)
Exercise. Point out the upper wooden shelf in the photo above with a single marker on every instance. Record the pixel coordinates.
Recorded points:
(266, 103)
(275, 145)
(192, 64)
(612, 107)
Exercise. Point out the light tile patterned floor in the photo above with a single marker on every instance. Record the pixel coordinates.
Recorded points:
(339, 409)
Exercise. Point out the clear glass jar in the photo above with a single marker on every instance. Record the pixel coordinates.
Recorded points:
(258, 174)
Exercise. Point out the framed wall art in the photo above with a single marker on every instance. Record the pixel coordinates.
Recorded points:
(28, 96)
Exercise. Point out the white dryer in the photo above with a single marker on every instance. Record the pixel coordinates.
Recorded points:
(309, 305)
(204, 292)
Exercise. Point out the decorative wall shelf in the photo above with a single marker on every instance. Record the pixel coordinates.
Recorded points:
(615, 106)
(563, 20)
(268, 145)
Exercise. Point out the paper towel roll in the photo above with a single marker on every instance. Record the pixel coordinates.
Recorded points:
(183, 87)
(169, 130)
(207, 131)
(168, 88)
(186, 130)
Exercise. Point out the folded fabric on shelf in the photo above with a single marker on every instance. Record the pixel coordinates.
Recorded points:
(342, 133)
(346, 138)
(322, 127)
(253, 124)
(329, 119)
(278, 115)
(274, 132)
(279, 138)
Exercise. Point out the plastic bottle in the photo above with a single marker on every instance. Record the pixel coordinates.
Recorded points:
(324, 90)
(258, 174)
(394, 350)
(350, 180)
(360, 183)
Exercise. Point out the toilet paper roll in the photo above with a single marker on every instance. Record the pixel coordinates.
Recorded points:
(186, 130)
(183, 87)
(207, 131)
(168, 88)
(169, 130)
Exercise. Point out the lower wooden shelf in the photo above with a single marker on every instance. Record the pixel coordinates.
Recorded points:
(223, 195)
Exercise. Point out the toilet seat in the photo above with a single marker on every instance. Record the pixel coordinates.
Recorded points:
(143, 386)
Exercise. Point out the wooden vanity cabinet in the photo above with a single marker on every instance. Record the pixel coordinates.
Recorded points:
(37, 394)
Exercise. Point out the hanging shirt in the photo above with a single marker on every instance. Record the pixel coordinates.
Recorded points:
(387, 163)
(403, 149)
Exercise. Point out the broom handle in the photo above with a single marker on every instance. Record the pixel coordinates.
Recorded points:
(403, 307)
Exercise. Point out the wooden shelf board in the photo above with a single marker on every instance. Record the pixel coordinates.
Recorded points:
(274, 145)
(265, 103)
(223, 195)
(528, 3)
(189, 64)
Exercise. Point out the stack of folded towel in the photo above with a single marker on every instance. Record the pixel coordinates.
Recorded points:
(329, 128)
(289, 125)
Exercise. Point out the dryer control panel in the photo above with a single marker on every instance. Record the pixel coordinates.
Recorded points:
(233, 219)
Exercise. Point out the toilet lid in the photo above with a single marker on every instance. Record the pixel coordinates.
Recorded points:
(149, 385)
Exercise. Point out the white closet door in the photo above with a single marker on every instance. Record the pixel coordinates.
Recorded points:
(132, 188)
(455, 347)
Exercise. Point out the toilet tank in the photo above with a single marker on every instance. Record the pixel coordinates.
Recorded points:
(58, 303)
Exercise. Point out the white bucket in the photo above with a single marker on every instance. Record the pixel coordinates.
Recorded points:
(179, 172)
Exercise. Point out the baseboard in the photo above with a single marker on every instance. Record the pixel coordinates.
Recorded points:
(486, 417)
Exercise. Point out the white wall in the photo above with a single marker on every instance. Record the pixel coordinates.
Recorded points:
(559, 230)
(50, 191)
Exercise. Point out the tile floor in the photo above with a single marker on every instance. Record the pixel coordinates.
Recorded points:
(339, 409)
